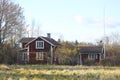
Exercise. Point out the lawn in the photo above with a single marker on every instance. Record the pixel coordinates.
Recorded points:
(58, 72)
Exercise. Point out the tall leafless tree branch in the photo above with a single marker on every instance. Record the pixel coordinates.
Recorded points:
(11, 21)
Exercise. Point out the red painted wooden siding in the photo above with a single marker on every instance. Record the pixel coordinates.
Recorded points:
(33, 60)
(85, 57)
(33, 50)
(32, 46)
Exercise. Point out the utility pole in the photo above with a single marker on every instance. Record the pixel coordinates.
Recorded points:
(51, 51)
(104, 24)
(0, 32)
(0, 35)
(33, 25)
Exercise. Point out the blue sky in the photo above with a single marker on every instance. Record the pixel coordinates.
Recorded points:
(71, 20)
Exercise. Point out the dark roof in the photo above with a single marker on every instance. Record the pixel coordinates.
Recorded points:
(26, 40)
(29, 40)
(51, 41)
(91, 49)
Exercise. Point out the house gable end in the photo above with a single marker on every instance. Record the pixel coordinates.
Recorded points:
(44, 39)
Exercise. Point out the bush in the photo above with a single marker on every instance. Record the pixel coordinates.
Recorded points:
(89, 62)
(8, 54)
(110, 62)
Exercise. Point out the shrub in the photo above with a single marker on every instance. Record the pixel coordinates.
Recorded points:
(110, 62)
(89, 62)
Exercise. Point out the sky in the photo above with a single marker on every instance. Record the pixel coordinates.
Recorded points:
(71, 20)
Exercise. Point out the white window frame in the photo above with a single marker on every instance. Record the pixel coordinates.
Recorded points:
(37, 47)
(39, 55)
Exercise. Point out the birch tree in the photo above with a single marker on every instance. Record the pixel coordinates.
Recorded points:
(11, 21)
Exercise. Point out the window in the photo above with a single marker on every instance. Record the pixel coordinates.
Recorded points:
(39, 44)
(96, 56)
(39, 56)
(24, 56)
(92, 56)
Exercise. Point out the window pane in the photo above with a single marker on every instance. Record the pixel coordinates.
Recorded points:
(96, 56)
(39, 44)
(39, 55)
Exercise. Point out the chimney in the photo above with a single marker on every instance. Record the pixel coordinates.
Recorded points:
(49, 35)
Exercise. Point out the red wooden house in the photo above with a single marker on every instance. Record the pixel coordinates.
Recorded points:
(40, 50)
(93, 53)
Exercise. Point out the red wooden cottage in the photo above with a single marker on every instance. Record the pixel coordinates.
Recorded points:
(40, 50)
(93, 53)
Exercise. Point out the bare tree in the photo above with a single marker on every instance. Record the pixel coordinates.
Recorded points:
(115, 39)
(11, 21)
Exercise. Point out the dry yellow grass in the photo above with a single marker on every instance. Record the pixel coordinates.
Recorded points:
(55, 72)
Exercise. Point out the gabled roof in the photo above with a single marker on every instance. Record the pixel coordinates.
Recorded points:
(49, 40)
(91, 49)
(26, 40)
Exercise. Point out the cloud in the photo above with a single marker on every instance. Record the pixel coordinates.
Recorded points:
(112, 23)
(83, 20)
(79, 19)
(97, 22)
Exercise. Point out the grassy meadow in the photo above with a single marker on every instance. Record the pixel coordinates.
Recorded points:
(58, 72)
